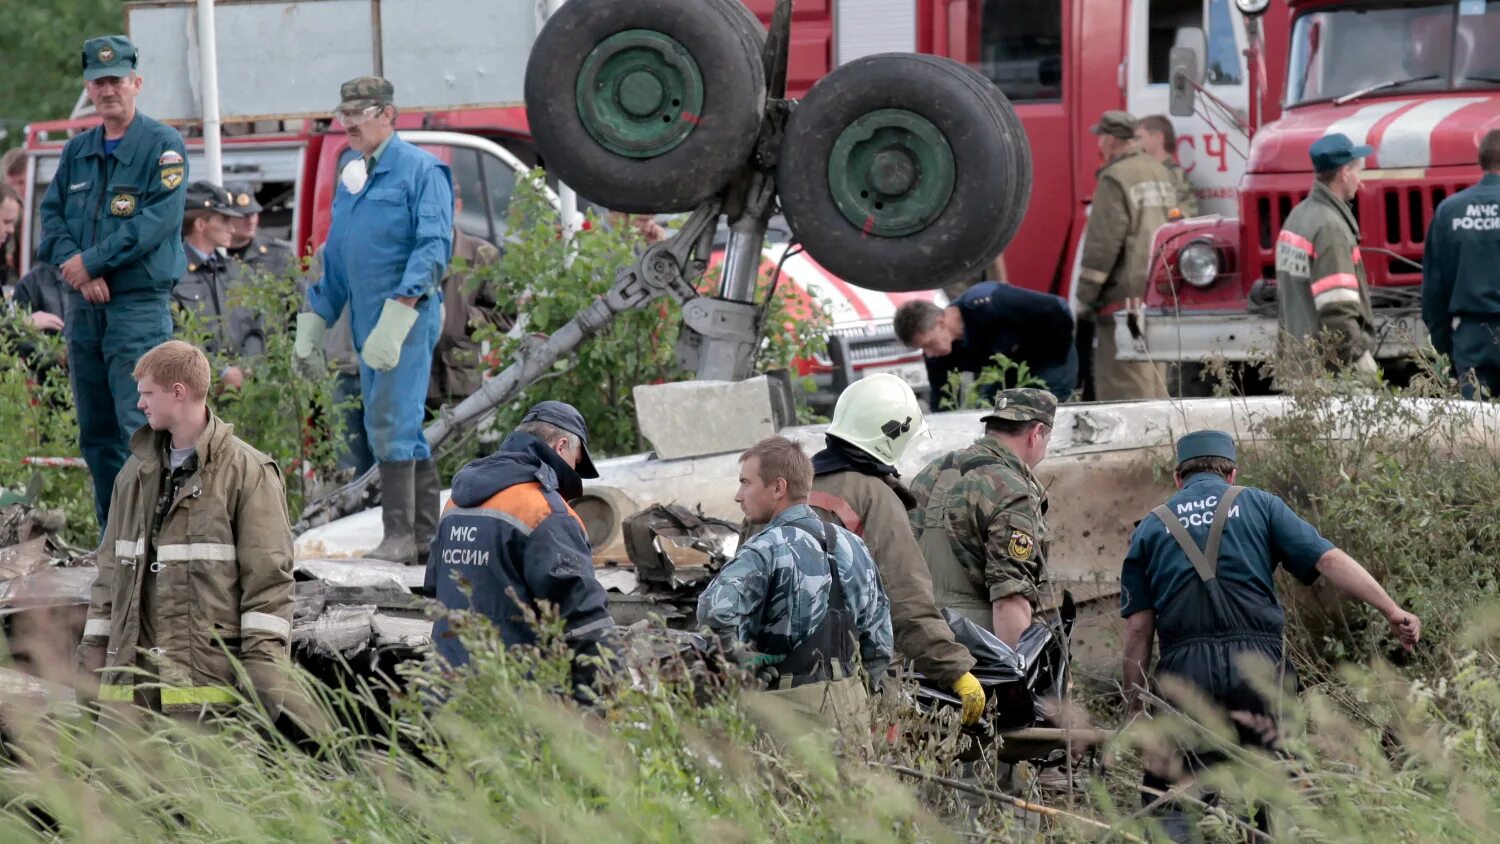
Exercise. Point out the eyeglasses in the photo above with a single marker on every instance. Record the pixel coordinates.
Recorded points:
(350, 119)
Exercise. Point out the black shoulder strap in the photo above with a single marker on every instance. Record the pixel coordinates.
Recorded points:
(829, 542)
(1204, 560)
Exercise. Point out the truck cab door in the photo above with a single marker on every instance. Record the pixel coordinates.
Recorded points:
(1209, 146)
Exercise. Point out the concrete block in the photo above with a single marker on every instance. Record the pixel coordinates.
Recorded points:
(695, 418)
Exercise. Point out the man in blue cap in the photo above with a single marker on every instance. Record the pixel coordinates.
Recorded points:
(1460, 283)
(1320, 277)
(111, 224)
(385, 258)
(508, 540)
(1199, 576)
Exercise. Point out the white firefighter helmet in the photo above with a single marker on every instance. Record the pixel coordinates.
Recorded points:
(878, 415)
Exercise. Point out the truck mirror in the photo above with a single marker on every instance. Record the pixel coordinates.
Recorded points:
(1186, 72)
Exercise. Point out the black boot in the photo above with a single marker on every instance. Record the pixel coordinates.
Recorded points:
(429, 493)
(397, 511)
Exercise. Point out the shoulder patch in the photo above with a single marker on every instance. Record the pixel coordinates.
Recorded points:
(169, 157)
(1022, 546)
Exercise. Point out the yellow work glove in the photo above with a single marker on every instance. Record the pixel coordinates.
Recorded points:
(382, 349)
(967, 687)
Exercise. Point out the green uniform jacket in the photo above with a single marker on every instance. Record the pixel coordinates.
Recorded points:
(122, 211)
(221, 563)
(1320, 277)
(993, 509)
(1134, 197)
(1187, 198)
(921, 633)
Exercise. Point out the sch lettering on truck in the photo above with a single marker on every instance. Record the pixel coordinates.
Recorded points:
(464, 549)
(1482, 218)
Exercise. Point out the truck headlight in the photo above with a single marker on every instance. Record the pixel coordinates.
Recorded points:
(1252, 7)
(1198, 263)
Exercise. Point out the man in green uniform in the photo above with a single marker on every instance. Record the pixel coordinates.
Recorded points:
(1320, 278)
(980, 517)
(1134, 198)
(1158, 138)
(111, 223)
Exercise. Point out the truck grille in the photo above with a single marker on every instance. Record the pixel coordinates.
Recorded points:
(870, 342)
(1393, 218)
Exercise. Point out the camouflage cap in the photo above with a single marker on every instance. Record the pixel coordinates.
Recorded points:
(1120, 124)
(362, 92)
(108, 55)
(1023, 404)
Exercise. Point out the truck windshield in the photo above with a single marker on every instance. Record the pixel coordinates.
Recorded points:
(1375, 48)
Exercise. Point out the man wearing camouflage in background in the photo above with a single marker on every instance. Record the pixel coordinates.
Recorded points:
(1134, 198)
(799, 596)
(980, 517)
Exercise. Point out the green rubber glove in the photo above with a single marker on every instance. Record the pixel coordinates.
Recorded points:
(968, 689)
(307, 347)
(310, 331)
(382, 349)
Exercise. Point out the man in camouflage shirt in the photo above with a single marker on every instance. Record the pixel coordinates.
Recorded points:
(1134, 198)
(801, 595)
(1320, 277)
(980, 517)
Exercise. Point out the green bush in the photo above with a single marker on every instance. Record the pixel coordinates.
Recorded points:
(965, 392)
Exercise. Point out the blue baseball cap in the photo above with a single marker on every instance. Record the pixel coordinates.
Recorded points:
(566, 416)
(1331, 152)
(1205, 444)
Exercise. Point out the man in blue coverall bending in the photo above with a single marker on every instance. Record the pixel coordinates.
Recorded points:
(385, 257)
(112, 225)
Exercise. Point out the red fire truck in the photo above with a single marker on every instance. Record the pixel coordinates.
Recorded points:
(1418, 81)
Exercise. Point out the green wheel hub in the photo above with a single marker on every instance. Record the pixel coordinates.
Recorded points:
(891, 172)
(639, 93)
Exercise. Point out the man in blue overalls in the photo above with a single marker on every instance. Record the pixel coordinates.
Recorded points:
(1460, 286)
(1200, 576)
(386, 255)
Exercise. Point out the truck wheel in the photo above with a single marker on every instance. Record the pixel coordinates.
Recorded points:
(904, 172)
(646, 106)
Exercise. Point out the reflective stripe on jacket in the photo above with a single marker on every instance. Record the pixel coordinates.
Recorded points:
(221, 566)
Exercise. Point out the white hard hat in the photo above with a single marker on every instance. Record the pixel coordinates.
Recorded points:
(878, 415)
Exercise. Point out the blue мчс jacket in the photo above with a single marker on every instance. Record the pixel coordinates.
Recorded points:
(508, 527)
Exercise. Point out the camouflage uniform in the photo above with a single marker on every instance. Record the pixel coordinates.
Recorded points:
(980, 517)
(774, 593)
(1133, 199)
(1187, 198)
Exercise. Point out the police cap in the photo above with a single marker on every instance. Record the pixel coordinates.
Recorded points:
(242, 197)
(1205, 444)
(207, 196)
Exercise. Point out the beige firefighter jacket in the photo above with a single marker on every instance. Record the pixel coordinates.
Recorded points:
(1320, 278)
(921, 633)
(1134, 198)
(221, 564)
(457, 371)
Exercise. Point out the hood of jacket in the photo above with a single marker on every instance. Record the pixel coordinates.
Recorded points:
(522, 458)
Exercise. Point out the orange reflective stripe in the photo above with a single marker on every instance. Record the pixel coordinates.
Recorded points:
(1297, 240)
(839, 507)
(1337, 281)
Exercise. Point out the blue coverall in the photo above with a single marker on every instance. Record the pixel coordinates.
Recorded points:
(1461, 282)
(392, 239)
(123, 212)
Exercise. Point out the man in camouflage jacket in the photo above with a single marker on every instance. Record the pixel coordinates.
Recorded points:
(801, 598)
(980, 517)
(1320, 277)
